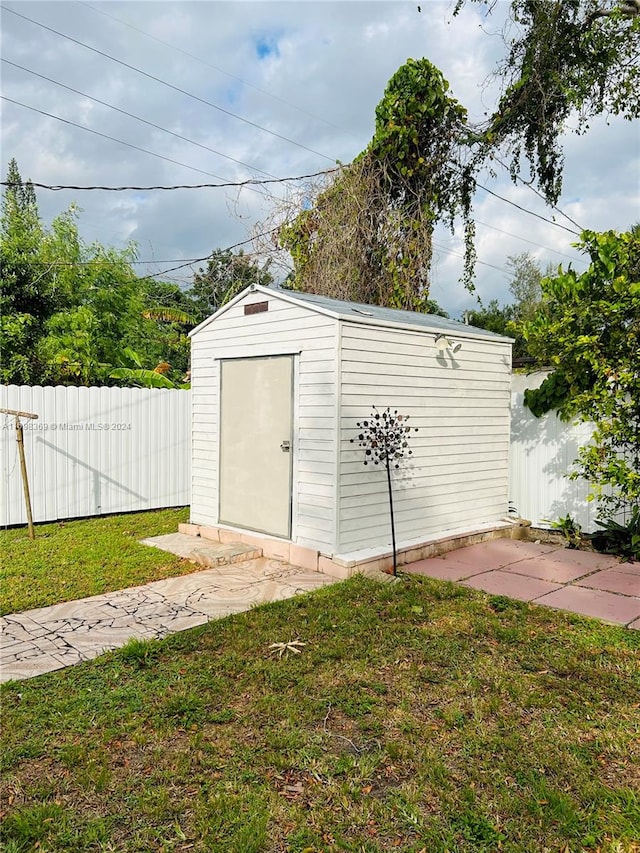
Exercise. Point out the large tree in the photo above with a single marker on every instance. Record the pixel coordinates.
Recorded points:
(588, 332)
(526, 285)
(85, 338)
(26, 294)
(72, 313)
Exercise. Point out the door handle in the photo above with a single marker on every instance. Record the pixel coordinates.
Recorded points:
(285, 447)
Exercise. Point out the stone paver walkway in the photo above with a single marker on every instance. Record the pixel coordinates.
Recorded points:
(49, 638)
(583, 582)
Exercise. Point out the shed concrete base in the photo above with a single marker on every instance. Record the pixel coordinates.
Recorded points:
(361, 562)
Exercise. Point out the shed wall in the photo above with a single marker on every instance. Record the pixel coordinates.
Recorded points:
(283, 329)
(457, 475)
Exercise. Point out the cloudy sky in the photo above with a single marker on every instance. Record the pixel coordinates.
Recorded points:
(208, 92)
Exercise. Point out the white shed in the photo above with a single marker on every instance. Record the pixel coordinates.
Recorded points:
(279, 381)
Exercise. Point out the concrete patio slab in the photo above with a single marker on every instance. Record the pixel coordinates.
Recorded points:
(498, 553)
(628, 568)
(584, 582)
(511, 585)
(612, 580)
(607, 606)
(443, 568)
(547, 569)
(589, 560)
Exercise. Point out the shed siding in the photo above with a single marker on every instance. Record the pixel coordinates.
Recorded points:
(283, 329)
(457, 475)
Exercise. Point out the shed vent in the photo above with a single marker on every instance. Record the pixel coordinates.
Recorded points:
(256, 308)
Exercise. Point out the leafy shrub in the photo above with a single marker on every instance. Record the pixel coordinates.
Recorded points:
(570, 529)
(620, 539)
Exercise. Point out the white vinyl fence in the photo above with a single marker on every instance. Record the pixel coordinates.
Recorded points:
(542, 452)
(94, 451)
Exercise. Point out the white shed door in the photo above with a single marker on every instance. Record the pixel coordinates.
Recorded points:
(255, 444)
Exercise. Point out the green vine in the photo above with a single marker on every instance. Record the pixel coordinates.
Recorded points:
(368, 235)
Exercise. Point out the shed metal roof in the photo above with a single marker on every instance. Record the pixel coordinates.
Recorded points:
(371, 315)
(360, 313)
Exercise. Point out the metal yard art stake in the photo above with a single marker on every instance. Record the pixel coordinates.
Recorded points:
(384, 438)
(23, 463)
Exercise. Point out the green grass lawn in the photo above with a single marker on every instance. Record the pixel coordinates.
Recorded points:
(419, 716)
(75, 559)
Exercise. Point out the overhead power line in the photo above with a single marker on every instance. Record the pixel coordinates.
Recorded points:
(248, 183)
(294, 106)
(540, 195)
(526, 210)
(136, 118)
(184, 262)
(526, 240)
(210, 65)
(448, 251)
(459, 170)
(211, 254)
(108, 261)
(170, 85)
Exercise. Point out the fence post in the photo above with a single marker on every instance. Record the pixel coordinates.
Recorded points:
(23, 462)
